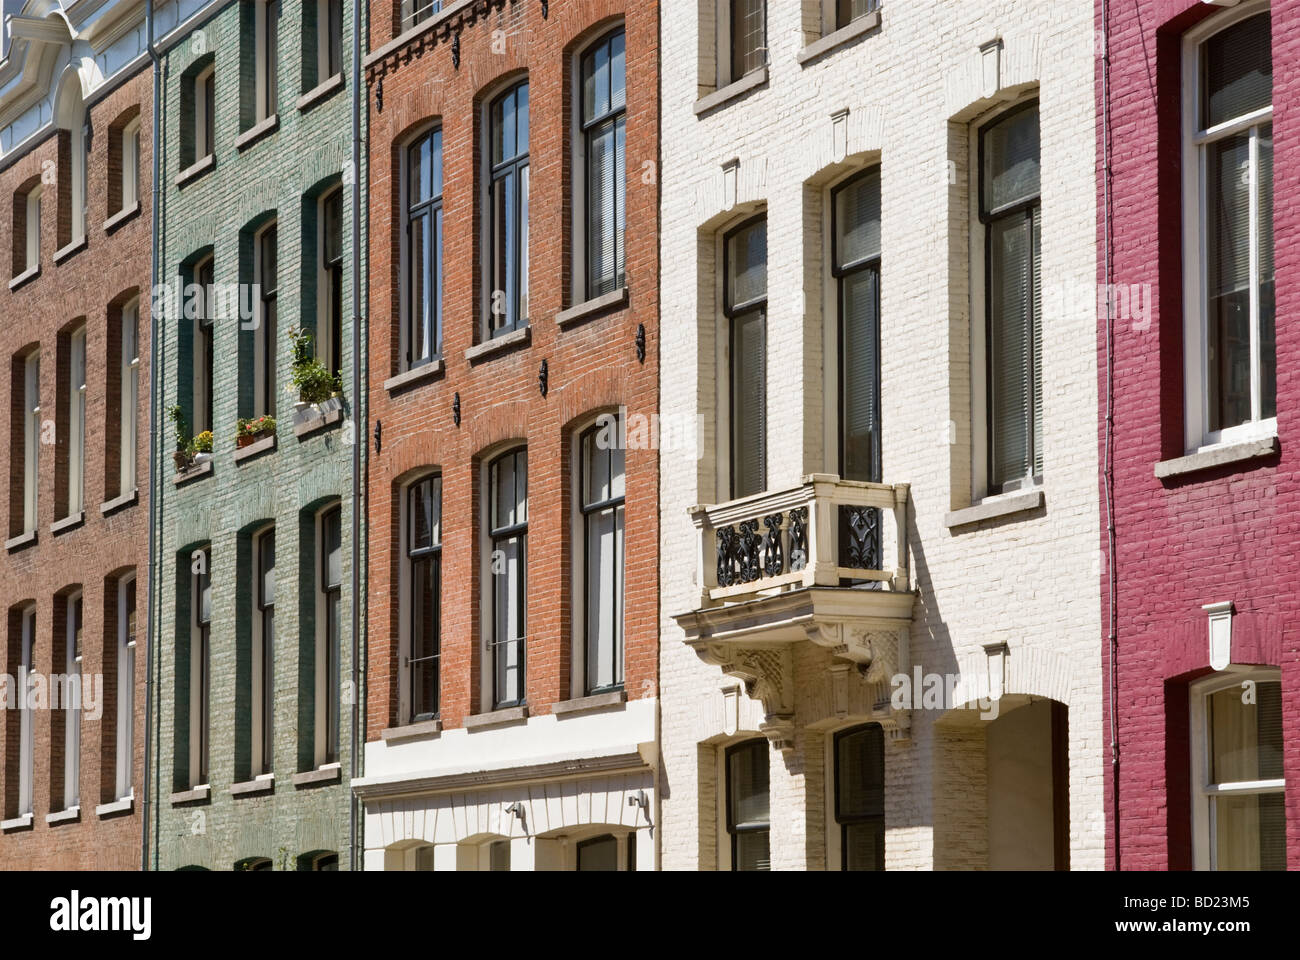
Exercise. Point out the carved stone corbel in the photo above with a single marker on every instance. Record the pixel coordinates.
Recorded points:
(768, 675)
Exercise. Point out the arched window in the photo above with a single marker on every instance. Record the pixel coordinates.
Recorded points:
(507, 210)
(602, 125)
(422, 330)
(508, 564)
(424, 596)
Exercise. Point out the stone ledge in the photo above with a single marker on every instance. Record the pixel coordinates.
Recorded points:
(317, 417)
(121, 217)
(193, 473)
(193, 795)
(257, 131)
(117, 503)
(839, 37)
(17, 823)
(434, 22)
(412, 731)
(20, 541)
(993, 508)
(74, 247)
(1217, 457)
(755, 78)
(125, 805)
(498, 344)
(581, 311)
(409, 378)
(497, 718)
(70, 522)
(254, 448)
(320, 92)
(196, 170)
(329, 773)
(259, 785)
(69, 815)
(598, 701)
(23, 277)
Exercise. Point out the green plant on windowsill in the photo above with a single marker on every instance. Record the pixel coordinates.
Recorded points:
(184, 455)
(249, 429)
(314, 382)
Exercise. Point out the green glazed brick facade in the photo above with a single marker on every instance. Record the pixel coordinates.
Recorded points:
(278, 176)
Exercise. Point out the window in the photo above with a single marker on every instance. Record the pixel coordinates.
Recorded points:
(499, 855)
(1010, 212)
(1231, 312)
(205, 113)
(126, 646)
(604, 119)
(599, 853)
(72, 705)
(200, 667)
(855, 209)
(423, 328)
(266, 31)
(331, 638)
(73, 121)
(130, 165)
(329, 324)
(204, 322)
(31, 437)
(860, 797)
(745, 305)
(27, 719)
(602, 492)
(1237, 776)
(264, 337)
(329, 39)
(254, 863)
(27, 230)
(508, 562)
(507, 204)
(748, 805)
(846, 11)
(76, 422)
(748, 36)
(264, 653)
(417, 11)
(129, 384)
(326, 862)
(424, 556)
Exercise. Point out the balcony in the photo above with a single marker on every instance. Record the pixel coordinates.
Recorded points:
(805, 565)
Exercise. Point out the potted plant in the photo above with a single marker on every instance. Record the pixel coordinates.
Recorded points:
(250, 429)
(183, 455)
(201, 446)
(314, 382)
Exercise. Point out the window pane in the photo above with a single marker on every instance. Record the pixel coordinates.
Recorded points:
(618, 71)
(426, 513)
(508, 594)
(1250, 832)
(747, 37)
(749, 403)
(860, 343)
(1228, 280)
(521, 120)
(598, 854)
(860, 773)
(1246, 738)
(500, 855)
(1238, 70)
(522, 279)
(752, 851)
(863, 846)
(1011, 160)
(604, 561)
(1014, 351)
(332, 537)
(846, 11)
(605, 207)
(266, 569)
(1267, 303)
(596, 83)
(424, 636)
(748, 773)
(857, 220)
(747, 264)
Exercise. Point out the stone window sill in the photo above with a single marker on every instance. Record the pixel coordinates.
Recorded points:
(17, 823)
(328, 773)
(317, 417)
(20, 541)
(499, 344)
(320, 92)
(497, 718)
(67, 252)
(598, 701)
(70, 815)
(263, 128)
(193, 795)
(995, 508)
(840, 37)
(416, 375)
(751, 80)
(196, 170)
(29, 274)
(70, 522)
(1217, 457)
(193, 473)
(121, 217)
(125, 805)
(412, 731)
(263, 784)
(254, 449)
(581, 311)
(118, 503)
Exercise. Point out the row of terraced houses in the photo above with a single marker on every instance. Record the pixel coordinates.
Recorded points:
(610, 435)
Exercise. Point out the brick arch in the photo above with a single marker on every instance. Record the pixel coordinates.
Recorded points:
(602, 388)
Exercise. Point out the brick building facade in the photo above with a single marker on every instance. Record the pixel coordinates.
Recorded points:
(1204, 491)
(505, 730)
(75, 170)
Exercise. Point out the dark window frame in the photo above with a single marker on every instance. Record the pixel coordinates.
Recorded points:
(431, 554)
(268, 254)
(734, 830)
(591, 130)
(333, 595)
(587, 510)
(846, 821)
(733, 314)
(332, 267)
(512, 170)
(431, 265)
(266, 634)
(202, 583)
(735, 72)
(498, 536)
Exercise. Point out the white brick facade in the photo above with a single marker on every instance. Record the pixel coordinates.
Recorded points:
(914, 88)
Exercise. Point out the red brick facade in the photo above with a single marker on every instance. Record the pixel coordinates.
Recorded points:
(1226, 533)
(89, 285)
(592, 365)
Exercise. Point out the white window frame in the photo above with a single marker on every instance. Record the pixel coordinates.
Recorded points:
(1195, 312)
(31, 440)
(723, 341)
(78, 151)
(131, 164)
(324, 40)
(73, 611)
(266, 35)
(264, 336)
(27, 718)
(1203, 791)
(261, 698)
(33, 249)
(328, 695)
(579, 676)
(77, 421)
(200, 676)
(202, 120)
(126, 648)
(128, 408)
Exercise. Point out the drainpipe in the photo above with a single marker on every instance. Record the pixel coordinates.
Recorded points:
(360, 434)
(1108, 471)
(154, 421)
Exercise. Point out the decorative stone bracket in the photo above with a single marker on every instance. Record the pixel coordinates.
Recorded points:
(768, 675)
